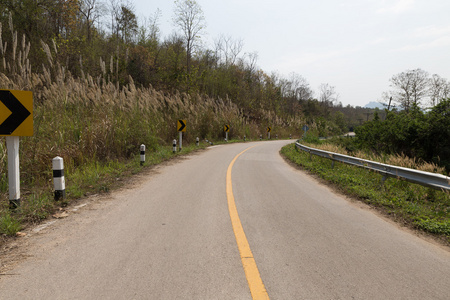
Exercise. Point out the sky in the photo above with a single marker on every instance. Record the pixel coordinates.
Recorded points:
(354, 45)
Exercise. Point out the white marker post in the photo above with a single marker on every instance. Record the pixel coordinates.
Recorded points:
(226, 136)
(174, 145)
(12, 144)
(197, 141)
(58, 178)
(181, 140)
(142, 148)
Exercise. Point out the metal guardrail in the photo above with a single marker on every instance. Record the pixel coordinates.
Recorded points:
(433, 180)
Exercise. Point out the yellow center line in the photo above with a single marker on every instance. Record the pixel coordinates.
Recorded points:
(255, 283)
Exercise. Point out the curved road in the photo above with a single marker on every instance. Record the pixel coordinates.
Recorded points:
(170, 236)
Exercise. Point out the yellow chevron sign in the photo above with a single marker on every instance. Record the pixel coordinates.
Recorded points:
(16, 113)
(181, 125)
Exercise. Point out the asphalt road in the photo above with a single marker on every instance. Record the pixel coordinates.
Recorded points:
(170, 236)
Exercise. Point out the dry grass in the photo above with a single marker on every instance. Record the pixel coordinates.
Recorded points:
(93, 118)
(399, 160)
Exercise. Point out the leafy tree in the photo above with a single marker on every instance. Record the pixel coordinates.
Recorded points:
(413, 133)
(127, 23)
(435, 139)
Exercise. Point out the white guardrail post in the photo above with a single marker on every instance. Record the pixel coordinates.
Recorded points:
(142, 149)
(58, 178)
(433, 180)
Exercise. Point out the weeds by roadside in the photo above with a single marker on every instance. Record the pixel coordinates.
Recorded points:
(96, 125)
(96, 177)
(417, 206)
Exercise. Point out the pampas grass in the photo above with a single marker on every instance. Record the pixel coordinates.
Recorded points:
(92, 117)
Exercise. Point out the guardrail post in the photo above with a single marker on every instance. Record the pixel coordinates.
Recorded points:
(174, 144)
(244, 138)
(142, 149)
(58, 178)
(260, 137)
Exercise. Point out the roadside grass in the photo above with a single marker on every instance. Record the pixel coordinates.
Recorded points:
(410, 204)
(96, 124)
(91, 178)
(9, 225)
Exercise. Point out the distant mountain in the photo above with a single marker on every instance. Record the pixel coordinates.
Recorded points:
(374, 104)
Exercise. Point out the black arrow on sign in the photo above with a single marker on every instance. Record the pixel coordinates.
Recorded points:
(182, 125)
(18, 113)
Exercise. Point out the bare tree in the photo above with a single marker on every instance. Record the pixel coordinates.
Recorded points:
(152, 25)
(327, 94)
(188, 16)
(251, 61)
(114, 9)
(439, 89)
(300, 87)
(410, 87)
(294, 87)
(228, 49)
(91, 11)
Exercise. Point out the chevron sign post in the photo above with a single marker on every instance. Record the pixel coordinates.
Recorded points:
(16, 119)
(226, 128)
(181, 127)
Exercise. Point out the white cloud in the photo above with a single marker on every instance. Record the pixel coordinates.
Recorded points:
(378, 41)
(437, 43)
(395, 7)
(432, 30)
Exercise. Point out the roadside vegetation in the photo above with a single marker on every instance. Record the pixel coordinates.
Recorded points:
(409, 204)
(100, 92)
(104, 82)
(414, 133)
